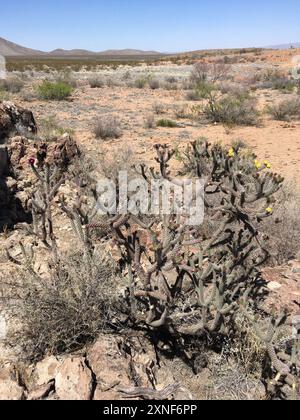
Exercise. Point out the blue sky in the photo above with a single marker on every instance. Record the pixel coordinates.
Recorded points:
(163, 25)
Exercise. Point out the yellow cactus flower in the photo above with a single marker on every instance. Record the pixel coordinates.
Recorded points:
(257, 164)
(231, 152)
(267, 164)
(269, 210)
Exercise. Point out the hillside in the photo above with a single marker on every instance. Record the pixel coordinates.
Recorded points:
(10, 49)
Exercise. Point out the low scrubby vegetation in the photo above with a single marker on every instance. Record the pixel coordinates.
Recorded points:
(11, 84)
(166, 123)
(96, 82)
(107, 127)
(232, 110)
(55, 91)
(286, 110)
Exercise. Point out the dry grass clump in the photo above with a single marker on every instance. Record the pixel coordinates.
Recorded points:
(96, 82)
(51, 129)
(284, 228)
(141, 82)
(107, 127)
(181, 111)
(12, 84)
(150, 121)
(159, 108)
(154, 84)
(64, 312)
(286, 110)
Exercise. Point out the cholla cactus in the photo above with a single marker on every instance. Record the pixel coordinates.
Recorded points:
(219, 260)
(49, 181)
(193, 280)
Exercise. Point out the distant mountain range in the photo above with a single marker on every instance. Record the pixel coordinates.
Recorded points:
(285, 46)
(10, 49)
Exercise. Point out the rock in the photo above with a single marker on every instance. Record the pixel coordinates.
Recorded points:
(62, 152)
(41, 392)
(107, 363)
(17, 150)
(74, 380)
(274, 285)
(46, 370)
(14, 119)
(10, 390)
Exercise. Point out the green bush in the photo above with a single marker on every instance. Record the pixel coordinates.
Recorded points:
(202, 91)
(167, 123)
(56, 91)
(232, 110)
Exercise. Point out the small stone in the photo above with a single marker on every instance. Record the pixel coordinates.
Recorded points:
(274, 285)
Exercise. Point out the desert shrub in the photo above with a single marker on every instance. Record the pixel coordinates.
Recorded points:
(159, 108)
(166, 123)
(28, 95)
(57, 91)
(202, 91)
(285, 85)
(170, 86)
(231, 110)
(64, 312)
(51, 129)
(142, 81)
(112, 82)
(234, 90)
(154, 84)
(107, 127)
(171, 79)
(284, 229)
(96, 82)
(67, 77)
(286, 109)
(150, 121)
(12, 84)
(203, 72)
(181, 111)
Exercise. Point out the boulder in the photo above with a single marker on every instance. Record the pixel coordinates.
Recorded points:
(41, 392)
(10, 390)
(74, 381)
(46, 371)
(62, 152)
(14, 119)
